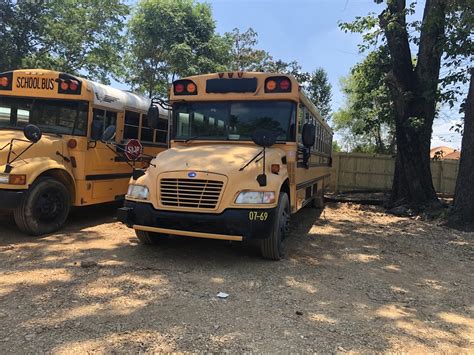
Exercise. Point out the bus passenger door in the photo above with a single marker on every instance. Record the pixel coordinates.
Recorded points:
(106, 174)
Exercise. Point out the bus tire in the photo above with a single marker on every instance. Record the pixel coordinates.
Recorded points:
(272, 248)
(147, 238)
(45, 207)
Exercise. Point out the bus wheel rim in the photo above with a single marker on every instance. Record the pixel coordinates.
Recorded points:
(49, 205)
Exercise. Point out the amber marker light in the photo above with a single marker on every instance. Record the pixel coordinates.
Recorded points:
(15, 179)
(275, 168)
(191, 88)
(271, 85)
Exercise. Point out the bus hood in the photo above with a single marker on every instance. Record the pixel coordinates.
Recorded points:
(47, 146)
(218, 158)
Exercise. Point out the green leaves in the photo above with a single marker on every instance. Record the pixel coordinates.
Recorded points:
(367, 120)
(319, 91)
(169, 39)
(78, 37)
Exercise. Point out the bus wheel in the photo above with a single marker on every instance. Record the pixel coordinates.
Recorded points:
(44, 209)
(272, 247)
(148, 238)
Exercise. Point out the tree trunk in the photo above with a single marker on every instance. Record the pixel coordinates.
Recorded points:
(413, 183)
(462, 213)
(414, 90)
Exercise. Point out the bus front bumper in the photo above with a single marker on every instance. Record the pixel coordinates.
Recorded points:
(11, 199)
(232, 224)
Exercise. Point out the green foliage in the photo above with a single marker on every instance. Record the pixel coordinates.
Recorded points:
(319, 91)
(458, 51)
(169, 39)
(20, 31)
(78, 37)
(244, 56)
(367, 119)
(336, 147)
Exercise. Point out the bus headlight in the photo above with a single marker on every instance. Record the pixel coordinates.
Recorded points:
(4, 178)
(138, 191)
(13, 179)
(255, 197)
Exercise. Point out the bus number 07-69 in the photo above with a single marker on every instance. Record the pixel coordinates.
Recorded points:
(258, 216)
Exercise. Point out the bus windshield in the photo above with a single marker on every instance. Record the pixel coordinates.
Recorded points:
(53, 116)
(233, 120)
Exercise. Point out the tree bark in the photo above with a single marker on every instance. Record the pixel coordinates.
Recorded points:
(462, 212)
(414, 92)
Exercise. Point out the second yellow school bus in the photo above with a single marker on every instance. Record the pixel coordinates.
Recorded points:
(69, 165)
(247, 151)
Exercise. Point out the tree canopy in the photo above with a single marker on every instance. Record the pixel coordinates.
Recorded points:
(366, 119)
(171, 38)
(82, 39)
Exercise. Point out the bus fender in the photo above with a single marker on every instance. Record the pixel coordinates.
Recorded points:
(51, 168)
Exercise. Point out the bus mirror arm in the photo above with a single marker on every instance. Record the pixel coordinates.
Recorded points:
(162, 103)
(251, 160)
(262, 178)
(32, 134)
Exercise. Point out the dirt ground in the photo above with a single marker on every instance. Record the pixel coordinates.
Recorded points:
(353, 280)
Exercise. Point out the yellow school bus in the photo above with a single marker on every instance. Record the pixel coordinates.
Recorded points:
(68, 166)
(247, 150)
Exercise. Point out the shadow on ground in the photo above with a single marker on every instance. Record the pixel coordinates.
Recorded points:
(353, 279)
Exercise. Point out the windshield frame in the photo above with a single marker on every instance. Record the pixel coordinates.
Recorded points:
(290, 136)
(51, 128)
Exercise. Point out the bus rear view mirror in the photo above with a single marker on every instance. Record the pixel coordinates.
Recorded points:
(264, 138)
(152, 116)
(108, 134)
(308, 134)
(32, 133)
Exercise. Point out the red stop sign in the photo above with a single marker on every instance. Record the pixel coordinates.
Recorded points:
(133, 149)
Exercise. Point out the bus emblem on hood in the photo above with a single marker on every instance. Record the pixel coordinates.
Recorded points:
(192, 174)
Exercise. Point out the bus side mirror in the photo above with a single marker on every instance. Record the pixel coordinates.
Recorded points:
(96, 130)
(308, 135)
(264, 137)
(32, 133)
(108, 134)
(152, 116)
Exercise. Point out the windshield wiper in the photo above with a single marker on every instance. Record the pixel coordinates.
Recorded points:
(10, 127)
(193, 138)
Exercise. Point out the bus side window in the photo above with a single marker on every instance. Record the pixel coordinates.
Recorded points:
(132, 123)
(161, 133)
(146, 132)
(98, 117)
(110, 119)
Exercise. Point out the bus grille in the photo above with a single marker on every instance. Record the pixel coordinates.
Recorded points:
(190, 193)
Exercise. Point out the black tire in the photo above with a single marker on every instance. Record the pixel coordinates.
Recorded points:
(45, 207)
(149, 238)
(272, 248)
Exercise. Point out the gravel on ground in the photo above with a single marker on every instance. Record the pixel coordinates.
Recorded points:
(354, 279)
